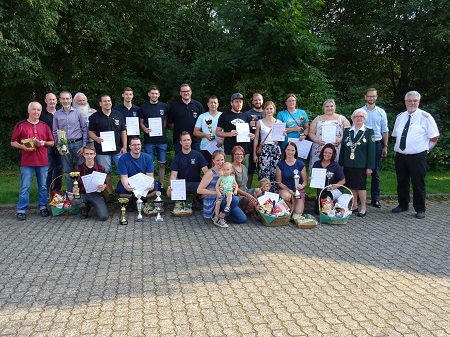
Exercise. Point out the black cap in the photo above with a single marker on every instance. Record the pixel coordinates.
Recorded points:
(236, 95)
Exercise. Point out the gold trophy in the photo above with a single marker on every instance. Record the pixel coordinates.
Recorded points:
(75, 176)
(123, 202)
(209, 123)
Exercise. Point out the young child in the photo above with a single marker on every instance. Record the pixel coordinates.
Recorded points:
(226, 186)
(264, 186)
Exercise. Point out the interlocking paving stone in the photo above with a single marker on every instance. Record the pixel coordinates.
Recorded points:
(383, 275)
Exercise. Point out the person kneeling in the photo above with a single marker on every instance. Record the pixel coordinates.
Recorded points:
(93, 199)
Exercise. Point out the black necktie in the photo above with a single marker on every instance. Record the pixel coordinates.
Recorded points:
(404, 134)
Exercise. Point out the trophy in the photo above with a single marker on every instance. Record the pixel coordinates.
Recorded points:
(62, 143)
(297, 181)
(139, 207)
(253, 122)
(123, 204)
(158, 206)
(75, 176)
(329, 176)
(209, 123)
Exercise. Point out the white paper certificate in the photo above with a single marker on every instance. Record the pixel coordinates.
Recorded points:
(318, 176)
(277, 133)
(329, 133)
(243, 131)
(141, 182)
(178, 189)
(132, 126)
(212, 146)
(109, 141)
(303, 147)
(155, 126)
(93, 180)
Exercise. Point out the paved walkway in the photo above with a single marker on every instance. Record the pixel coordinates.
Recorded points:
(382, 275)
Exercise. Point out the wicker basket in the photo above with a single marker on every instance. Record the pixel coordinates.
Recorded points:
(325, 219)
(275, 221)
(60, 211)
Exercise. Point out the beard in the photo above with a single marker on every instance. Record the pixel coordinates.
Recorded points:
(83, 108)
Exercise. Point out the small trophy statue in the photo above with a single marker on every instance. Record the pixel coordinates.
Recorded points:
(209, 123)
(158, 206)
(139, 207)
(75, 176)
(329, 176)
(253, 122)
(123, 202)
(62, 143)
(296, 181)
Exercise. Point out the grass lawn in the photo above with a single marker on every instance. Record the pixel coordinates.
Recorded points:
(437, 183)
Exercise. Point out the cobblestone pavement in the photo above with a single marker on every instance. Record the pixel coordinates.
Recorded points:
(383, 275)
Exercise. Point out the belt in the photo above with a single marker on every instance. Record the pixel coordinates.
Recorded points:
(75, 140)
(411, 154)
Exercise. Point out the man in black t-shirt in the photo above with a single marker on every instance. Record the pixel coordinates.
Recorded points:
(182, 117)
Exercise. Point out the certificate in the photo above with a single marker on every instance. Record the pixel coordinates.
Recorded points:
(303, 147)
(141, 183)
(109, 141)
(243, 131)
(132, 126)
(212, 146)
(93, 180)
(344, 200)
(178, 189)
(329, 133)
(155, 126)
(318, 176)
(268, 195)
(277, 133)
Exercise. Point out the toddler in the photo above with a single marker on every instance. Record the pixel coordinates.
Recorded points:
(226, 186)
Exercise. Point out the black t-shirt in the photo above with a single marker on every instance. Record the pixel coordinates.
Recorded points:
(149, 110)
(132, 112)
(227, 121)
(188, 165)
(47, 118)
(183, 117)
(99, 122)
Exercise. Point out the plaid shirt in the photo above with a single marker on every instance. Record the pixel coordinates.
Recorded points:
(84, 170)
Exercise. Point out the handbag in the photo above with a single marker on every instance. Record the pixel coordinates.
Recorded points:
(260, 145)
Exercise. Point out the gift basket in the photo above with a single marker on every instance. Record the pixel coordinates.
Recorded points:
(61, 204)
(275, 212)
(335, 213)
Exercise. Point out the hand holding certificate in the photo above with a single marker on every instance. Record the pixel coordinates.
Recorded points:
(109, 141)
(132, 126)
(155, 126)
(303, 147)
(243, 131)
(318, 176)
(329, 134)
(178, 189)
(141, 184)
(277, 133)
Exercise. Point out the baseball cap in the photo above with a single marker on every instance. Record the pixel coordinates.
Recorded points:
(236, 95)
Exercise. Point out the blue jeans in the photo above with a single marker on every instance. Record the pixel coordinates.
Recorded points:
(26, 178)
(375, 184)
(106, 160)
(69, 159)
(161, 151)
(54, 168)
(236, 214)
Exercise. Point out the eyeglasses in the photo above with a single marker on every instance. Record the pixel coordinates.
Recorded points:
(361, 116)
(135, 145)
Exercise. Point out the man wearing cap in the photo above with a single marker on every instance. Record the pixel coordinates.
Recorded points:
(226, 126)
(183, 115)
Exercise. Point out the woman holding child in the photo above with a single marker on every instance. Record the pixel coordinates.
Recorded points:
(285, 177)
(207, 187)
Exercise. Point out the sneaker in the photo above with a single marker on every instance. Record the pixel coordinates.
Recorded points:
(84, 213)
(44, 212)
(221, 223)
(227, 210)
(21, 216)
(420, 215)
(215, 220)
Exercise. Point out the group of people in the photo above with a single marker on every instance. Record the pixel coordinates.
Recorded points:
(209, 149)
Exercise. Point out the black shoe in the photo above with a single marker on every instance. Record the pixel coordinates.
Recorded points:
(362, 214)
(355, 210)
(44, 212)
(131, 206)
(398, 209)
(110, 199)
(84, 213)
(420, 215)
(376, 203)
(21, 216)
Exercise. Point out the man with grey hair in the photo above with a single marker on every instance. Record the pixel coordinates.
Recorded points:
(32, 137)
(416, 134)
(80, 102)
(71, 121)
